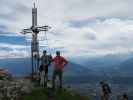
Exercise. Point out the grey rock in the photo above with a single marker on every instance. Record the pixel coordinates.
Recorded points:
(12, 89)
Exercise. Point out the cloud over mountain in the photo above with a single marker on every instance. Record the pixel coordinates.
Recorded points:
(79, 27)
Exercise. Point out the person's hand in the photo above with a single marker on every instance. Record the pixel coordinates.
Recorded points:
(64, 64)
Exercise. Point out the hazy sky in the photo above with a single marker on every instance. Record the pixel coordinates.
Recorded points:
(79, 27)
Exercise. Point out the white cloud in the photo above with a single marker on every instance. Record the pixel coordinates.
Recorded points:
(12, 51)
(99, 26)
(57, 12)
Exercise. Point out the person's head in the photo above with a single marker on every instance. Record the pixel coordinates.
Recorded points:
(44, 52)
(125, 95)
(102, 82)
(58, 53)
(50, 56)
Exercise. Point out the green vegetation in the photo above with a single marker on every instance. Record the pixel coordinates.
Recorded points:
(48, 94)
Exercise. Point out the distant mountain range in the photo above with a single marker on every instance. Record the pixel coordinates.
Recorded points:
(126, 67)
(103, 61)
(74, 69)
(22, 66)
(16, 66)
(109, 64)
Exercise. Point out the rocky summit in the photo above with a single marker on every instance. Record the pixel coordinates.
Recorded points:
(12, 89)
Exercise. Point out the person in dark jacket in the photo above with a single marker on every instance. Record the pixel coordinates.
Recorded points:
(105, 91)
(45, 62)
(124, 97)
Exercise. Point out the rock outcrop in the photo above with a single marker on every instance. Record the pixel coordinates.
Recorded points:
(12, 89)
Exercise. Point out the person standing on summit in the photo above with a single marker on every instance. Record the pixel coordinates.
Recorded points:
(59, 63)
(105, 90)
(124, 97)
(45, 62)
